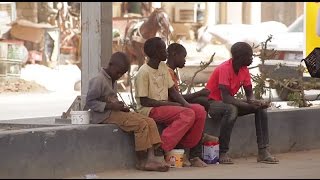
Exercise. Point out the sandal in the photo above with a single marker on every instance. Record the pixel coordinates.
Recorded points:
(225, 159)
(265, 157)
(268, 160)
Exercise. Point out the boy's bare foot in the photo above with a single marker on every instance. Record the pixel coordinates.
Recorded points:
(161, 159)
(156, 166)
(140, 165)
(186, 162)
(197, 162)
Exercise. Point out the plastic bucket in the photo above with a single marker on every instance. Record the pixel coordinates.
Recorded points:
(175, 158)
(80, 117)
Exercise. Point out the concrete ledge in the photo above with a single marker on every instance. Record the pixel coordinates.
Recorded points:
(59, 152)
(289, 130)
(70, 150)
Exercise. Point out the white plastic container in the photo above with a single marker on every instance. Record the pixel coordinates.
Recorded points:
(175, 158)
(80, 117)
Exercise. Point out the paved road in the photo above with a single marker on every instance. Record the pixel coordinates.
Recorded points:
(32, 105)
(294, 165)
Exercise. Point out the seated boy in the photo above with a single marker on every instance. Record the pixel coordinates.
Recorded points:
(224, 82)
(153, 86)
(177, 59)
(106, 108)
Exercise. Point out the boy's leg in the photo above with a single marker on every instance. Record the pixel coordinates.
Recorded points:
(177, 119)
(194, 135)
(154, 135)
(130, 121)
(227, 114)
(202, 100)
(262, 132)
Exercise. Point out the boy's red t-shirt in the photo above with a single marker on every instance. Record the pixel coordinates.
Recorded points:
(225, 75)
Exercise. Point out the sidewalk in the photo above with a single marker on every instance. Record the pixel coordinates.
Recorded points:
(34, 105)
(293, 165)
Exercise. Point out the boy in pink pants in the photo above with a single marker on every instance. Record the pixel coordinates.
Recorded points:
(153, 87)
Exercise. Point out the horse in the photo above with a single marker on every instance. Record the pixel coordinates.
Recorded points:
(228, 34)
(137, 32)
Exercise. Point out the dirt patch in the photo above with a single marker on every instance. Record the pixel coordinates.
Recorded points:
(19, 85)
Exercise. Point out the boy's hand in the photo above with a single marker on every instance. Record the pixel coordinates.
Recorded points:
(204, 92)
(261, 104)
(125, 109)
(118, 106)
(187, 105)
(265, 104)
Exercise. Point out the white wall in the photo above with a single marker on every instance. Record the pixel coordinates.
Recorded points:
(234, 12)
(211, 13)
(255, 12)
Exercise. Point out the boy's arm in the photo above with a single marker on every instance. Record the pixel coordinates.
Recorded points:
(190, 96)
(147, 102)
(203, 92)
(227, 98)
(177, 97)
(251, 100)
(249, 93)
(93, 95)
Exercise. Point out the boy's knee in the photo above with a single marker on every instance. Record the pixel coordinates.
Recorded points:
(264, 111)
(143, 125)
(151, 123)
(231, 111)
(188, 115)
(199, 109)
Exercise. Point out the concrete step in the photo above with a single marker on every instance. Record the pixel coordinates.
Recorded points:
(71, 150)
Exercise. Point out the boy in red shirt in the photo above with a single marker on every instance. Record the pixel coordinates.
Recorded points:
(224, 83)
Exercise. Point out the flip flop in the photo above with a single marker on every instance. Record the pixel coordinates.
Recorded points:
(225, 160)
(268, 160)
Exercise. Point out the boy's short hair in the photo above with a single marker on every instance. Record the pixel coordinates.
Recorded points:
(176, 47)
(150, 46)
(240, 48)
(120, 58)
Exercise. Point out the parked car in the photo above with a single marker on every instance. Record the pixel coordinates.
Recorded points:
(289, 44)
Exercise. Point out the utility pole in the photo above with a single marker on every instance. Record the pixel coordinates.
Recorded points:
(96, 46)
